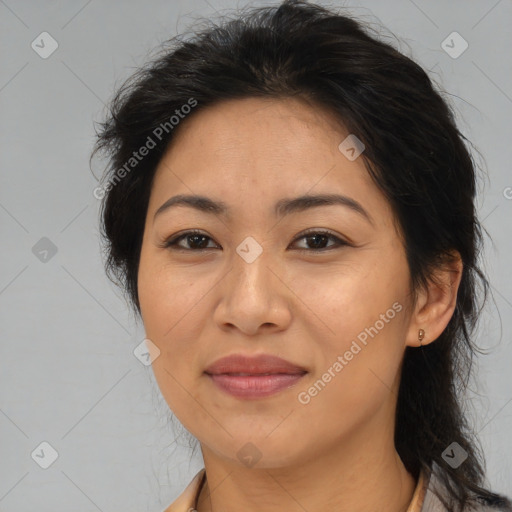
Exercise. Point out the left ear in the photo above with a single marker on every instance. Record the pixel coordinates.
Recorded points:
(435, 304)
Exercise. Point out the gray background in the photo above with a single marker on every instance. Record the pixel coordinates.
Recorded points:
(68, 373)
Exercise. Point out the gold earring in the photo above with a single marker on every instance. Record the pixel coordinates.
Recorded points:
(421, 335)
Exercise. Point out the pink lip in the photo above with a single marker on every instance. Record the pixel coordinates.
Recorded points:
(281, 374)
(255, 386)
(262, 363)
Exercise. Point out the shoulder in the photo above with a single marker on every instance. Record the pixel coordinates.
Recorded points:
(495, 504)
(186, 501)
(436, 490)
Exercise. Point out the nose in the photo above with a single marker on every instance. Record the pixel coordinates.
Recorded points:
(253, 298)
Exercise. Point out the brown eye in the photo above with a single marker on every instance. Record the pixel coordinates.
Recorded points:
(195, 239)
(317, 240)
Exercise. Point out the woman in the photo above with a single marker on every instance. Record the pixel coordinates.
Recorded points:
(289, 206)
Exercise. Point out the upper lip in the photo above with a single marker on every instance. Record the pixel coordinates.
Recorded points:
(253, 365)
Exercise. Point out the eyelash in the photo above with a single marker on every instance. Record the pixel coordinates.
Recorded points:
(171, 243)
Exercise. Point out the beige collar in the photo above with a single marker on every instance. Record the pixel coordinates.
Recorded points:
(187, 501)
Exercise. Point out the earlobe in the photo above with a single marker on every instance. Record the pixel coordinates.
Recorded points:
(436, 303)
(421, 335)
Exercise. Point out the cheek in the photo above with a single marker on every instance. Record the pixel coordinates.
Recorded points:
(173, 317)
(333, 308)
(357, 371)
(171, 314)
(176, 308)
(340, 301)
(356, 314)
(166, 295)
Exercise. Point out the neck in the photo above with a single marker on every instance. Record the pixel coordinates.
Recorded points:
(360, 474)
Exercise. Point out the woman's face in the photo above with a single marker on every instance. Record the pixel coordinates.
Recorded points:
(253, 283)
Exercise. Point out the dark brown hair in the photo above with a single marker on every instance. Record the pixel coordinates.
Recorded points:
(414, 152)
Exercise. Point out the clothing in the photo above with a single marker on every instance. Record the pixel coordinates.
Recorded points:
(423, 500)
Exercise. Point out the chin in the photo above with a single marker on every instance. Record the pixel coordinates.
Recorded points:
(260, 450)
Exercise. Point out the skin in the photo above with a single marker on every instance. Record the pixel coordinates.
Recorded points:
(293, 301)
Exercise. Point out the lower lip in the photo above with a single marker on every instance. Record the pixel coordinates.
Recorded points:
(255, 386)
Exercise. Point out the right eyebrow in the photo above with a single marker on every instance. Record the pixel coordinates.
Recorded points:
(282, 208)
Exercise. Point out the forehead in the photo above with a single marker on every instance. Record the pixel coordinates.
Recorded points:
(265, 129)
(256, 151)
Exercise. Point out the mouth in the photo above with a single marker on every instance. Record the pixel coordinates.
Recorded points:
(254, 386)
(253, 365)
(241, 374)
(254, 377)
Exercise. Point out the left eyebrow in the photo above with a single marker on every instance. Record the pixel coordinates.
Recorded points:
(302, 203)
(282, 208)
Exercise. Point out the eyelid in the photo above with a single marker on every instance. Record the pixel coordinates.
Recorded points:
(340, 241)
(171, 242)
